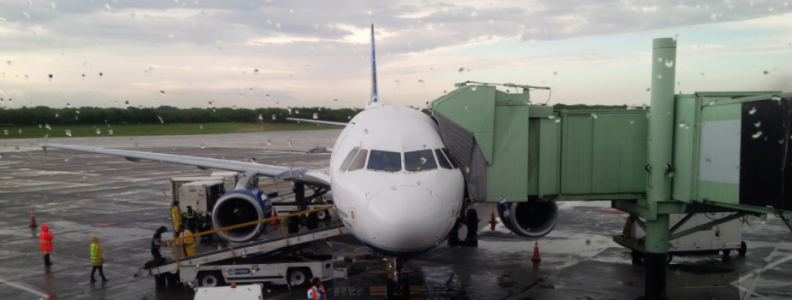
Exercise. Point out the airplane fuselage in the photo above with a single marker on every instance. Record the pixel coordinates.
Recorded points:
(393, 184)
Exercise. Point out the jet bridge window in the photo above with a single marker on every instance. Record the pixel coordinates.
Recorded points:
(442, 159)
(349, 158)
(421, 160)
(384, 161)
(360, 161)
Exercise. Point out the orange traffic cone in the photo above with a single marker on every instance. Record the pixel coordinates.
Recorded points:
(492, 221)
(273, 222)
(32, 219)
(536, 257)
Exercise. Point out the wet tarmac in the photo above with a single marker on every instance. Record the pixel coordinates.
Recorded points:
(79, 195)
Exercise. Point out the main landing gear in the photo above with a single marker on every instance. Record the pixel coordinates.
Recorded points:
(396, 280)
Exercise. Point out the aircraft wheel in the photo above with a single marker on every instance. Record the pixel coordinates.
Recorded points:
(743, 249)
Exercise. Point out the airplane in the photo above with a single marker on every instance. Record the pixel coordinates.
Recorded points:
(395, 185)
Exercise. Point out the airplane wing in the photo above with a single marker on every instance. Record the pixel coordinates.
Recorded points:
(306, 176)
(298, 120)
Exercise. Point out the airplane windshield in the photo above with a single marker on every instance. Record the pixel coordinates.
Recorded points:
(453, 163)
(442, 159)
(421, 160)
(360, 161)
(349, 158)
(384, 161)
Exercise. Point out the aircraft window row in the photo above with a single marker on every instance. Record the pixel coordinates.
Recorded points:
(388, 161)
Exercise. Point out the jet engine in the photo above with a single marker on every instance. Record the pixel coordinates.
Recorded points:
(529, 219)
(241, 206)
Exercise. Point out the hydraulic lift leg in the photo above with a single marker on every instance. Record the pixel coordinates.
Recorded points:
(656, 257)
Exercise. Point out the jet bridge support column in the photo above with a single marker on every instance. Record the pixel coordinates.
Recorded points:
(659, 168)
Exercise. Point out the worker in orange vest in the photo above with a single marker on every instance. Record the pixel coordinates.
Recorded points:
(45, 239)
(317, 290)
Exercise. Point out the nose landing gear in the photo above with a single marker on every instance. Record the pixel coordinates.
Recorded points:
(394, 268)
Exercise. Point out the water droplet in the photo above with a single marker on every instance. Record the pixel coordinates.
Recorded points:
(273, 117)
(776, 98)
(39, 125)
(594, 116)
(27, 15)
(757, 135)
(162, 92)
(711, 102)
(682, 124)
(349, 117)
(588, 242)
(200, 127)
(551, 117)
(8, 62)
(752, 111)
(290, 142)
(491, 23)
(473, 88)
(660, 76)
(461, 69)
(261, 117)
(502, 199)
(473, 14)
(47, 126)
(201, 145)
(56, 115)
(648, 89)
(219, 45)
(316, 116)
(20, 131)
(269, 143)
(5, 131)
(757, 124)
(110, 132)
(558, 120)
(98, 131)
(278, 25)
(702, 73)
(160, 119)
(632, 122)
(467, 170)
(296, 111)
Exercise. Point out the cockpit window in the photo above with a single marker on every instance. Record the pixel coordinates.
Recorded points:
(360, 161)
(442, 159)
(384, 161)
(421, 160)
(451, 159)
(349, 158)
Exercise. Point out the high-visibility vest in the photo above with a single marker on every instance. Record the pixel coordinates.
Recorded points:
(189, 214)
(190, 241)
(313, 291)
(94, 254)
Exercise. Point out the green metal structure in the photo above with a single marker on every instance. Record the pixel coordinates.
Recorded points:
(687, 153)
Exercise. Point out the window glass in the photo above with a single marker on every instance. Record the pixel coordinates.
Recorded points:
(442, 160)
(384, 161)
(421, 160)
(451, 159)
(349, 158)
(360, 161)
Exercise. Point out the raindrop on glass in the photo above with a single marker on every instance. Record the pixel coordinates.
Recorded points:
(757, 124)
(160, 119)
(162, 92)
(660, 76)
(757, 135)
(110, 132)
(669, 63)
(5, 131)
(648, 89)
(261, 117)
(56, 115)
(98, 131)
(47, 126)
(473, 88)
(558, 120)
(588, 242)
(290, 142)
(269, 143)
(316, 116)
(349, 117)
(273, 117)
(200, 127)
(201, 145)
(594, 116)
(776, 98)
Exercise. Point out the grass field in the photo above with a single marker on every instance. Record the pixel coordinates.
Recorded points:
(151, 129)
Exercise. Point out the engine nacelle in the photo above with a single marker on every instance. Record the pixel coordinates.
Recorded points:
(529, 219)
(241, 206)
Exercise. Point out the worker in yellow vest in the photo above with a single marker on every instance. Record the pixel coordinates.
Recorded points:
(176, 215)
(97, 259)
(187, 242)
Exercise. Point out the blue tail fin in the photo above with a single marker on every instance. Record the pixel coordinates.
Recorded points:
(374, 96)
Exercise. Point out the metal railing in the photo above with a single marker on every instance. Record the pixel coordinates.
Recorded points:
(179, 242)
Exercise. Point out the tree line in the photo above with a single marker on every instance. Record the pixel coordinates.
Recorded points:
(166, 114)
(169, 114)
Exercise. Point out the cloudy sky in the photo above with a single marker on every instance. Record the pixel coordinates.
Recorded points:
(316, 53)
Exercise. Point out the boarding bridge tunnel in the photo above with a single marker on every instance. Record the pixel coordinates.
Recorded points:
(685, 154)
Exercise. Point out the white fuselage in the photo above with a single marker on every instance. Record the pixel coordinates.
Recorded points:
(401, 202)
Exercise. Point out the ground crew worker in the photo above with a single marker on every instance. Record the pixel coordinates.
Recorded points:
(97, 259)
(190, 219)
(187, 242)
(45, 243)
(176, 215)
(156, 242)
(317, 290)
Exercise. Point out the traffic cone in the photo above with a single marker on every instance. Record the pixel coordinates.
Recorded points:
(536, 257)
(219, 246)
(492, 221)
(32, 219)
(273, 222)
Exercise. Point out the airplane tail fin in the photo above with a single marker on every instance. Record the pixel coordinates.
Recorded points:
(374, 97)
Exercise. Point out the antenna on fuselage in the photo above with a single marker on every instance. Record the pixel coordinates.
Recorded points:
(374, 96)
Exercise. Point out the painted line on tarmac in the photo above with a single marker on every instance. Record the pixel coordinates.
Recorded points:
(28, 289)
(736, 283)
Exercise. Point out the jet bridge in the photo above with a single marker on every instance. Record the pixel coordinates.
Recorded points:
(250, 248)
(685, 154)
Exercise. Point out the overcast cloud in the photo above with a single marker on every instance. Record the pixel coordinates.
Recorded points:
(309, 53)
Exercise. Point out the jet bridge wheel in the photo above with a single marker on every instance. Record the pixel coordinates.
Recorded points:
(299, 276)
(211, 279)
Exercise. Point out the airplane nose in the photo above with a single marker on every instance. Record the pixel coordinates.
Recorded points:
(406, 217)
